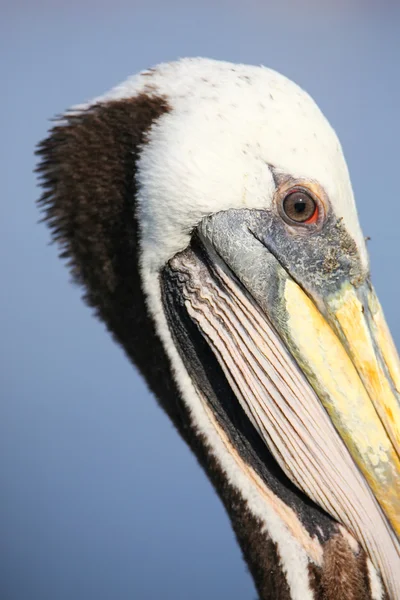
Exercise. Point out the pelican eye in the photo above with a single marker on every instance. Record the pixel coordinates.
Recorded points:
(300, 207)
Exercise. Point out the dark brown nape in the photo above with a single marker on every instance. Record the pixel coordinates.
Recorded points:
(87, 170)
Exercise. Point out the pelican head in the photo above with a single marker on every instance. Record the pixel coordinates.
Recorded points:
(207, 210)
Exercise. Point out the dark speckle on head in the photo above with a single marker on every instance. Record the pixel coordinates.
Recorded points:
(148, 73)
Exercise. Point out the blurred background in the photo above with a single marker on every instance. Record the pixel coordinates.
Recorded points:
(99, 497)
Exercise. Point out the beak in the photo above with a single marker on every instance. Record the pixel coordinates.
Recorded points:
(340, 341)
(350, 361)
(308, 358)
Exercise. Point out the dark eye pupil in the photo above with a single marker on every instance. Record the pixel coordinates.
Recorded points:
(299, 206)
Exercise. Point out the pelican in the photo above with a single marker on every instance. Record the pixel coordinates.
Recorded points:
(207, 211)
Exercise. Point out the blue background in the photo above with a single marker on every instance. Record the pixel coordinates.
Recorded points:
(99, 497)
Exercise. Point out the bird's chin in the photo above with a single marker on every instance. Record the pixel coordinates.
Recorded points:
(318, 377)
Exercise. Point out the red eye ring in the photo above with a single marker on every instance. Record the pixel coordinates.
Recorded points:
(314, 217)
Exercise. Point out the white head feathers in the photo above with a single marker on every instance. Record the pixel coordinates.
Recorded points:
(212, 151)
